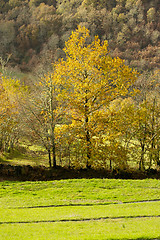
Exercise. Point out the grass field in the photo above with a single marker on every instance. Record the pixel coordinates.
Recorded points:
(80, 209)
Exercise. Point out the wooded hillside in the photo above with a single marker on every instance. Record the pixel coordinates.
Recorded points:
(35, 31)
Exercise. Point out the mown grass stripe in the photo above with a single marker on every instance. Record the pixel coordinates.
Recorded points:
(87, 205)
(81, 220)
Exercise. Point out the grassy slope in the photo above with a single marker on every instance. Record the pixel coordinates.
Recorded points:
(80, 209)
(84, 191)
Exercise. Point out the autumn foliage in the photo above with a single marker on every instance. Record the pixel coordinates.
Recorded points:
(91, 79)
(89, 111)
(35, 31)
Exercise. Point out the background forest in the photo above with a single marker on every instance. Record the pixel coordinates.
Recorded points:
(35, 31)
(32, 37)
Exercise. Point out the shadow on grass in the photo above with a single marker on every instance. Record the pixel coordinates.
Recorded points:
(158, 238)
(21, 156)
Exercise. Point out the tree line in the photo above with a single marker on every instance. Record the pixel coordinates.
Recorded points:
(88, 111)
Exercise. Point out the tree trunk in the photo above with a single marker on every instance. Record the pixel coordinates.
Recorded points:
(88, 142)
(87, 135)
(153, 123)
(52, 108)
(54, 153)
(49, 157)
(60, 157)
(158, 156)
(110, 165)
(69, 157)
(141, 163)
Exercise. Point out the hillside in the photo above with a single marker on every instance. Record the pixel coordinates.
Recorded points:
(34, 32)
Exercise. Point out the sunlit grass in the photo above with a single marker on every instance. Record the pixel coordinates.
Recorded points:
(85, 191)
(81, 212)
(80, 209)
(77, 191)
(147, 228)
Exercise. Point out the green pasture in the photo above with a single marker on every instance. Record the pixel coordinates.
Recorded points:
(80, 209)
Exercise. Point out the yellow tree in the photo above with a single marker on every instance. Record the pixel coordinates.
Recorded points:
(10, 92)
(91, 79)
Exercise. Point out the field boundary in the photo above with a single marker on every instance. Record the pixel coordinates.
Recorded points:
(41, 173)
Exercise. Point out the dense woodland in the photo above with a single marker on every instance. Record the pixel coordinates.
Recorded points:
(83, 104)
(35, 31)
